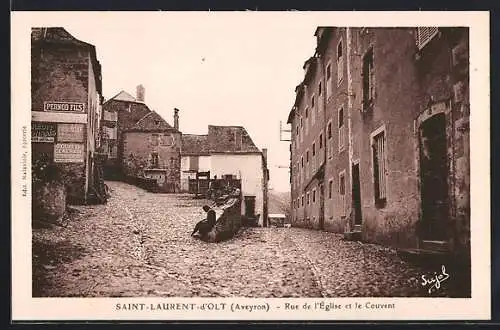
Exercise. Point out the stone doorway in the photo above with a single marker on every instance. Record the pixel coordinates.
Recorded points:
(434, 178)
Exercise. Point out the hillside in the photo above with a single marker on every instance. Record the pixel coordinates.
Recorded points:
(279, 202)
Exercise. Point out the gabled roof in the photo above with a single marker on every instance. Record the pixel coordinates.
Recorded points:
(123, 96)
(195, 145)
(152, 122)
(230, 139)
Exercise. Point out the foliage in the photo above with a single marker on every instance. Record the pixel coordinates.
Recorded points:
(44, 171)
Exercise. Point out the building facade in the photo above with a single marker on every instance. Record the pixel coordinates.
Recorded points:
(139, 143)
(151, 149)
(228, 152)
(66, 90)
(380, 137)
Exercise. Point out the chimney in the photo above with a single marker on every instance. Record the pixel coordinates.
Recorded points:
(176, 118)
(140, 94)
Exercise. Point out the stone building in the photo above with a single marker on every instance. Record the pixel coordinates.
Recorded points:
(139, 142)
(66, 98)
(151, 149)
(380, 137)
(228, 152)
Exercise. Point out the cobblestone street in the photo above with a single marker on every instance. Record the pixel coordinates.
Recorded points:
(139, 244)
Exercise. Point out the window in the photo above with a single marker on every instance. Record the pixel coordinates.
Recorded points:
(424, 35)
(330, 188)
(319, 89)
(298, 202)
(166, 140)
(154, 160)
(341, 129)
(328, 81)
(368, 80)
(340, 63)
(110, 133)
(314, 157)
(302, 161)
(302, 200)
(307, 120)
(321, 141)
(313, 110)
(314, 195)
(308, 201)
(379, 179)
(307, 156)
(329, 144)
(298, 173)
(342, 193)
(154, 139)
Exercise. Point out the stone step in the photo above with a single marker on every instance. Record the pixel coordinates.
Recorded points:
(352, 235)
(424, 256)
(442, 246)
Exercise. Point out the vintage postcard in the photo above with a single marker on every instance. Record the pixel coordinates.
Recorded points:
(250, 166)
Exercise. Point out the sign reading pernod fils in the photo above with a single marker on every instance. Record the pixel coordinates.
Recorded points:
(68, 153)
(64, 106)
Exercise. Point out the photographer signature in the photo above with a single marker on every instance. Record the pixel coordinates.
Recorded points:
(435, 280)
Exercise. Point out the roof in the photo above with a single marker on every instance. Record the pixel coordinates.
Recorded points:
(56, 35)
(230, 139)
(195, 145)
(151, 122)
(220, 139)
(123, 96)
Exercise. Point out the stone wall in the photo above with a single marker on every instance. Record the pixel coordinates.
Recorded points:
(61, 73)
(58, 73)
(137, 150)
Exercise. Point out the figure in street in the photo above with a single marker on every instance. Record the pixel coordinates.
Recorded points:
(206, 225)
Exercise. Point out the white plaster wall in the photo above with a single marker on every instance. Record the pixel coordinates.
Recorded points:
(203, 166)
(248, 168)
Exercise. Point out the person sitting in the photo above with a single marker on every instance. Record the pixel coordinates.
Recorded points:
(206, 225)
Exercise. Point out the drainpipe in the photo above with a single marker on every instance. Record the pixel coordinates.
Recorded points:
(349, 125)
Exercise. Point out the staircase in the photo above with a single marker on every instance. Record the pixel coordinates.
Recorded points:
(354, 234)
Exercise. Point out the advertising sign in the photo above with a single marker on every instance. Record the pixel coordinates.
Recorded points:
(64, 106)
(70, 132)
(43, 132)
(69, 153)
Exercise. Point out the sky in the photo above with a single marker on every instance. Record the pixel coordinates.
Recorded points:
(235, 71)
